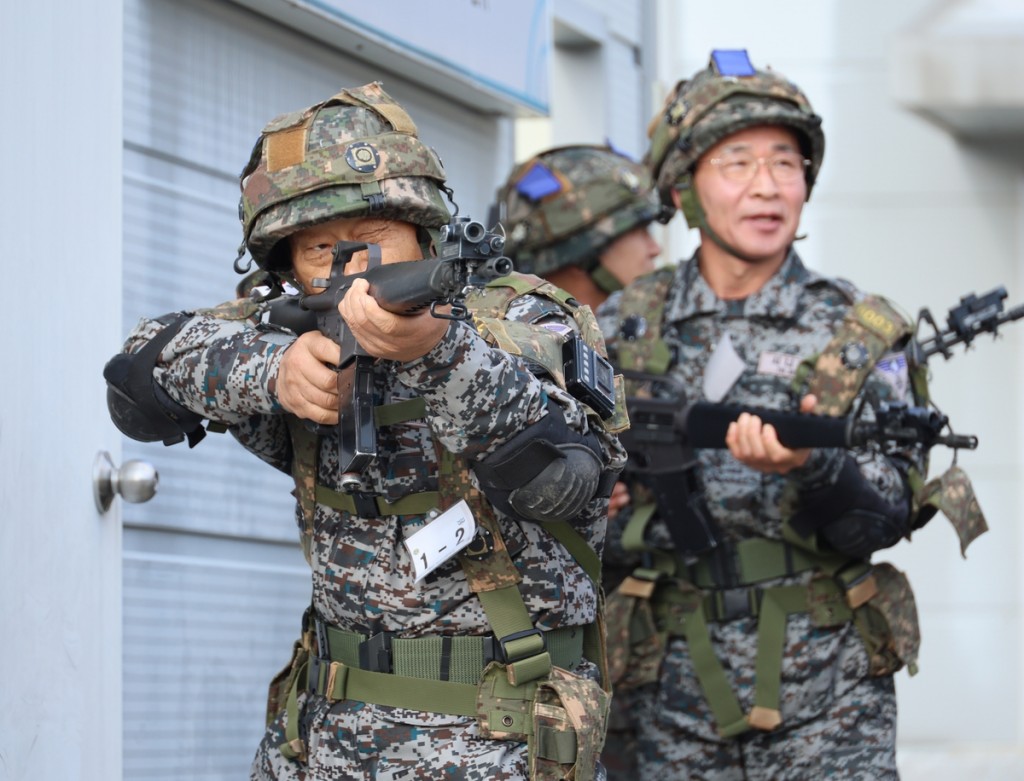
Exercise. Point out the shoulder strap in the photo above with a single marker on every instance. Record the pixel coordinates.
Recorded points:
(870, 329)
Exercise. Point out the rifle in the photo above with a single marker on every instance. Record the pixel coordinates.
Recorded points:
(469, 256)
(703, 424)
(665, 432)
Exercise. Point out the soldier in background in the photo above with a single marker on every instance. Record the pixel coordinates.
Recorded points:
(461, 670)
(579, 216)
(757, 635)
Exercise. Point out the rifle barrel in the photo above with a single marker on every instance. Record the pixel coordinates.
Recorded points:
(706, 425)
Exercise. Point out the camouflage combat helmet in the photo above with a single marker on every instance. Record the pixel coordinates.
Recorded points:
(728, 96)
(567, 204)
(354, 155)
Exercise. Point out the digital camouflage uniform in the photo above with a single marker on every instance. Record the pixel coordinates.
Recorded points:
(223, 364)
(770, 656)
(825, 677)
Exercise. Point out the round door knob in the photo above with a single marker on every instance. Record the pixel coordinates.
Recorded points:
(135, 481)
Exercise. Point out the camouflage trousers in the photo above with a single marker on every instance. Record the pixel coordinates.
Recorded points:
(355, 741)
(619, 754)
(838, 723)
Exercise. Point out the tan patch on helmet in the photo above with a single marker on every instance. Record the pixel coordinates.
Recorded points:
(286, 148)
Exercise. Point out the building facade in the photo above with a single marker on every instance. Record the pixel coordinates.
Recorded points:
(139, 640)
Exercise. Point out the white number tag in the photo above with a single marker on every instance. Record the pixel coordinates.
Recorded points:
(441, 539)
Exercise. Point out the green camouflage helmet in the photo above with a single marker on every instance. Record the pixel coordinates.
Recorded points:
(354, 155)
(567, 204)
(728, 96)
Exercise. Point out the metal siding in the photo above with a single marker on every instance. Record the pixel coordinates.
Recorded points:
(623, 17)
(203, 636)
(211, 609)
(625, 79)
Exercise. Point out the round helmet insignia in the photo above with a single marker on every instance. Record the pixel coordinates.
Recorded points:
(362, 157)
(854, 355)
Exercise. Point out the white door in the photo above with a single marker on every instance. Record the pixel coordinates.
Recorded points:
(60, 256)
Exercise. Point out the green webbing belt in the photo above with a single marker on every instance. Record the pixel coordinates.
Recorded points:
(423, 657)
(338, 681)
(687, 614)
(410, 504)
(758, 560)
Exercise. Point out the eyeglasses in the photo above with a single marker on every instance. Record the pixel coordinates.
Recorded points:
(784, 167)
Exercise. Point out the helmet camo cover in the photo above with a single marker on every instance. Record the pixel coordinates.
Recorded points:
(565, 205)
(728, 96)
(354, 154)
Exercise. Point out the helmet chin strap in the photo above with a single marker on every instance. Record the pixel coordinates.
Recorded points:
(604, 279)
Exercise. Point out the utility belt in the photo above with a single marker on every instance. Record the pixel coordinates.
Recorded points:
(727, 586)
(437, 673)
(542, 704)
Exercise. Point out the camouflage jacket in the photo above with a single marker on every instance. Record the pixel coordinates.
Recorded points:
(477, 397)
(790, 319)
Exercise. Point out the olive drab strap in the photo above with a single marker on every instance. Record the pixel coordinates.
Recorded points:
(305, 450)
(641, 311)
(305, 453)
(493, 577)
(871, 328)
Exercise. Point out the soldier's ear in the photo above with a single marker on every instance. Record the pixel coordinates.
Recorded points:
(677, 199)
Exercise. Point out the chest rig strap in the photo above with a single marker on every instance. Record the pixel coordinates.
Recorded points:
(684, 609)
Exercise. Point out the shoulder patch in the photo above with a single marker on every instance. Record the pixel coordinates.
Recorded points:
(238, 309)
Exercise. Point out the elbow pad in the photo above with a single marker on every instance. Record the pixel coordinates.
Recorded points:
(138, 406)
(546, 473)
(851, 516)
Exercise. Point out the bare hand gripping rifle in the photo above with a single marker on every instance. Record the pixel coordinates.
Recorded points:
(469, 256)
(664, 432)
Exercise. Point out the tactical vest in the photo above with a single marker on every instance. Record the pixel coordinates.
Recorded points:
(510, 694)
(671, 598)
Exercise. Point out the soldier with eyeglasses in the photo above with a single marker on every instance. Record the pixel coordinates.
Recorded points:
(768, 652)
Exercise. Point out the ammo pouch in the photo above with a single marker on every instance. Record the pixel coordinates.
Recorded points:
(562, 719)
(284, 682)
(887, 623)
(636, 646)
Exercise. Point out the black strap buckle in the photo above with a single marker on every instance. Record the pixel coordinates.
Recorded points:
(365, 505)
(733, 603)
(375, 653)
(502, 644)
(313, 672)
